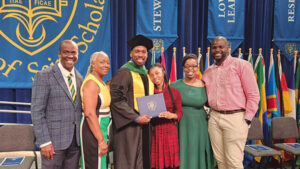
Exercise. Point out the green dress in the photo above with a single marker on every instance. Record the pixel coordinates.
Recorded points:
(195, 150)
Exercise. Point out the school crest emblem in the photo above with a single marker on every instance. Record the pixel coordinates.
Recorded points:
(290, 48)
(34, 22)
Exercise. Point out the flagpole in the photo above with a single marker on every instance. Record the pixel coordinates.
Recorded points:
(260, 51)
(207, 57)
(199, 54)
(183, 51)
(240, 52)
(271, 55)
(295, 59)
(279, 64)
(174, 55)
(278, 59)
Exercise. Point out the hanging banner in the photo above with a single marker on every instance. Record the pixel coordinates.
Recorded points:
(286, 26)
(157, 19)
(226, 18)
(31, 31)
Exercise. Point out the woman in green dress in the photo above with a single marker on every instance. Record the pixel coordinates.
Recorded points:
(195, 150)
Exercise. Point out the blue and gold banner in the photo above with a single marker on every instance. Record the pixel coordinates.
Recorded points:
(227, 18)
(287, 26)
(31, 31)
(157, 19)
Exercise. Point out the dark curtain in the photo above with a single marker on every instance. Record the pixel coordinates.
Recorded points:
(192, 33)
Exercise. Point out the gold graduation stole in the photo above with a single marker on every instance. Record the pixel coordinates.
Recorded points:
(138, 87)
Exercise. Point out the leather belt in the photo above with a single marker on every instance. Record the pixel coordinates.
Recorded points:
(230, 111)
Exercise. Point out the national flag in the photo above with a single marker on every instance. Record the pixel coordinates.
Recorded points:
(262, 106)
(163, 60)
(286, 103)
(200, 64)
(173, 74)
(272, 95)
(290, 79)
(153, 58)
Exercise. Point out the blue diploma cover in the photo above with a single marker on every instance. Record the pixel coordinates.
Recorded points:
(151, 105)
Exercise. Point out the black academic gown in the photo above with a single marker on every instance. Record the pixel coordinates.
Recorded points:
(132, 142)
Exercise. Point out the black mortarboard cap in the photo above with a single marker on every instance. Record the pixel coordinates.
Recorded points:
(140, 40)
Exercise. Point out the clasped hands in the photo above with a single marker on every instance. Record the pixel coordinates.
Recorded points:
(145, 119)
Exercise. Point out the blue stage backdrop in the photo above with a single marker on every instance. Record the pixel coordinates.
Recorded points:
(157, 20)
(227, 18)
(286, 26)
(31, 32)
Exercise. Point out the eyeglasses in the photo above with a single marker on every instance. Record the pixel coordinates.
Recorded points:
(188, 67)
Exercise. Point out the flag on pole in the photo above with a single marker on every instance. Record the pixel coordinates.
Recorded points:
(173, 73)
(262, 114)
(163, 60)
(200, 64)
(286, 103)
(272, 95)
(290, 79)
(153, 58)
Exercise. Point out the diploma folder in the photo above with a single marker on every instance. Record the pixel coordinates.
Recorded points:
(151, 105)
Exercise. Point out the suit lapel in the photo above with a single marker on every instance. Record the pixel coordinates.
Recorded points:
(61, 81)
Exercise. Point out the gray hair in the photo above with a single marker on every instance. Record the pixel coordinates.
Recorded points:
(94, 56)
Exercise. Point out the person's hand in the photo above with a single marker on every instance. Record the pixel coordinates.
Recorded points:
(48, 152)
(103, 148)
(144, 119)
(167, 115)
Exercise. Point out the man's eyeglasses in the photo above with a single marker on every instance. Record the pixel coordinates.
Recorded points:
(188, 66)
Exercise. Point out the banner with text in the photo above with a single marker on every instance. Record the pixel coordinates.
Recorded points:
(157, 19)
(227, 18)
(31, 31)
(286, 26)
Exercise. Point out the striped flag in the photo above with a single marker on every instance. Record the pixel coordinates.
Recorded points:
(290, 79)
(173, 73)
(286, 103)
(272, 95)
(262, 107)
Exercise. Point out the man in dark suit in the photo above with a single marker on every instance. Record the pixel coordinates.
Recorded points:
(56, 110)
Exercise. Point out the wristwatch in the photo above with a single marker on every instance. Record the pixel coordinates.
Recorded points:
(248, 121)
